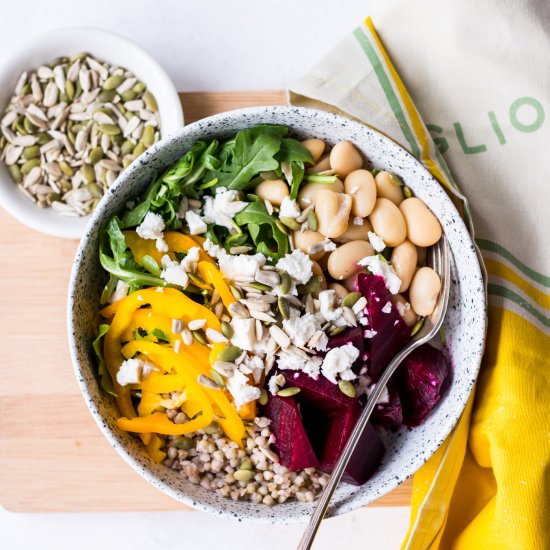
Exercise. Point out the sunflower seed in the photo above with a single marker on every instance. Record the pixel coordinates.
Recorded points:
(349, 316)
(44, 72)
(238, 310)
(359, 305)
(268, 453)
(269, 278)
(215, 336)
(196, 324)
(256, 305)
(279, 336)
(262, 316)
(208, 382)
(259, 330)
(186, 337)
(240, 249)
(224, 367)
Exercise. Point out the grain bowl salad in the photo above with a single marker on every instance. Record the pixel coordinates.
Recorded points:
(256, 291)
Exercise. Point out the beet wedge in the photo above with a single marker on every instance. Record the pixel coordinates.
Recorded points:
(292, 443)
(392, 333)
(419, 381)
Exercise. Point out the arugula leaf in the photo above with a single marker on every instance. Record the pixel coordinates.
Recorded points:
(104, 377)
(292, 150)
(108, 289)
(135, 216)
(253, 151)
(160, 335)
(118, 260)
(268, 238)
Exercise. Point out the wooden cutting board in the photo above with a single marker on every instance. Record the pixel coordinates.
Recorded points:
(53, 458)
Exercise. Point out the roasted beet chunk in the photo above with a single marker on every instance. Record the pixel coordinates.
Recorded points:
(329, 417)
(419, 380)
(292, 443)
(391, 331)
(389, 415)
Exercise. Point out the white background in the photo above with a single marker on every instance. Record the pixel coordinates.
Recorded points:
(204, 45)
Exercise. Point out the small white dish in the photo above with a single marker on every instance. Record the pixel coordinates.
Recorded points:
(464, 325)
(103, 45)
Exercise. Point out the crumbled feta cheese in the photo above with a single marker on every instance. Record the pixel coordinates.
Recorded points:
(379, 267)
(369, 333)
(321, 344)
(276, 382)
(221, 208)
(195, 223)
(238, 265)
(242, 392)
(131, 371)
(358, 220)
(308, 365)
(328, 311)
(301, 329)
(338, 362)
(384, 396)
(253, 365)
(120, 292)
(173, 272)
(244, 336)
(213, 250)
(377, 242)
(364, 321)
(402, 307)
(387, 307)
(189, 262)
(298, 265)
(152, 227)
(289, 208)
(328, 245)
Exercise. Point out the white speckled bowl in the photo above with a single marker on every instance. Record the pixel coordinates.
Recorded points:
(464, 326)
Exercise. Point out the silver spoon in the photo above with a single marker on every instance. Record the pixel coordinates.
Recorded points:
(439, 260)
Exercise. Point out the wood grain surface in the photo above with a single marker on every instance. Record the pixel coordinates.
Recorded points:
(53, 458)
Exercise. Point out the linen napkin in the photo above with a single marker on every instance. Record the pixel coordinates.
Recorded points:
(477, 73)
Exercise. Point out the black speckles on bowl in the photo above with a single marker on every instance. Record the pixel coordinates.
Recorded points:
(464, 326)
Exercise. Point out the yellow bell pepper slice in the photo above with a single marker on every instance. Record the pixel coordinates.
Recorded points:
(184, 364)
(211, 275)
(159, 423)
(177, 242)
(170, 302)
(152, 402)
(248, 411)
(148, 320)
(153, 448)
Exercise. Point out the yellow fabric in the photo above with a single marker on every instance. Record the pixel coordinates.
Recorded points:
(488, 485)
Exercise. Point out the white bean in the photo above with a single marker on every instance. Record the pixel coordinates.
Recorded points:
(345, 158)
(304, 239)
(423, 228)
(389, 187)
(315, 146)
(388, 222)
(308, 192)
(360, 185)
(332, 210)
(424, 291)
(340, 290)
(272, 190)
(403, 260)
(322, 166)
(355, 232)
(342, 263)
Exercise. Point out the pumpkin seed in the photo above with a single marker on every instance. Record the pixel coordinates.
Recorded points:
(31, 152)
(184, 443)
(126, 147)
(259, 286)
(128, 95)
(139, 87)
(286, 283)
(88, 172)
(139, 149)
(30, 128)
(407, 192)
(290, 222)
(288, 392)
(113, 82)
(246, 464)
(200, 337)
(150, 102)
(284, 308)
(264, 397)
(66, 169)
(227, 330)
(207, 382)
(218, 378)
(282, 226)
(106, 96)
(347, 388)
(312, 221)
(212, 428)
(416, 329)
(237, 294)
(96, 154)
(69, 89)
(396, 180)
(127, 160)
(375, 172)
(15, 173)
(337, 330)
(148, 136)
(29, 165)
(109, 129)
(229, 354)
(350, 299)
(313, 285)
(243, 475)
